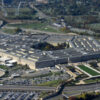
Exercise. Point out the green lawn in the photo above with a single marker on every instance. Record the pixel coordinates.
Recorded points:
(37, 26)
(92, 80)
(9, 31)
(88, 70)
(24, 13)
(95, 26)
(43, 94)
(51, 83)
(3, 67)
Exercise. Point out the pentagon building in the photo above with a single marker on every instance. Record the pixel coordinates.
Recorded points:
(19, 48)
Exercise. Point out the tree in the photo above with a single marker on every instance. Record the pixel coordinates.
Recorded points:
(17, 30)
(72, 98)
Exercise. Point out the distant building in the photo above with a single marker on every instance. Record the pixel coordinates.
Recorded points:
(56, 25)
(42, 1)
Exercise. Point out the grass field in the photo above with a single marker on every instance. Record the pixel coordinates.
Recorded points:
(88, 70)
(51, 83)
(92, 80)
(95, 26)
(9, 31)
(37, 26)
(3, 67)
(24, 13)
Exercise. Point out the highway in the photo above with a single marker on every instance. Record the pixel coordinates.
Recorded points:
(67, 91)
(25, 88)
(73, 90)
(70, 90)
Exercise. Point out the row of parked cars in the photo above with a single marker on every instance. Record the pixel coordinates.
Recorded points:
(19, 96)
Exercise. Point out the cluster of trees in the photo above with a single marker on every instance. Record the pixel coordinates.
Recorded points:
(70, 7)
(66, 7)
(72, 69)
(86, 96)
(14, 2)
(46, 46)
(76, 13)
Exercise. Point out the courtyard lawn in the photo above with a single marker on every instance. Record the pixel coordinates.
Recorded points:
(88, 70)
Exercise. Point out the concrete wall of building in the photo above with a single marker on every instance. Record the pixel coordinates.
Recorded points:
(46, 63)
(90, 57)
(61, 61)
(75, 59)
(84, 58)
(19, 60)
(49, 63)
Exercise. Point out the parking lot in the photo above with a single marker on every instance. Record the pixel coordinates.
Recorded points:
(19, 95)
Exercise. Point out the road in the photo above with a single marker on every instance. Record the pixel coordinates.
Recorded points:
(73, 90)
(41, 14)
(68, 90)
(26, 88)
